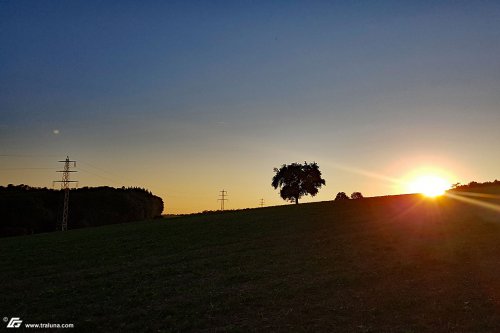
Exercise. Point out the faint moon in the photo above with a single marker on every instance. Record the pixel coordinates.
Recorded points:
(56, 131)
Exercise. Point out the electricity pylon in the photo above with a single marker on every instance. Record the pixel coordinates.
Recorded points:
(65, 185)
(261, 202)
(222, 198)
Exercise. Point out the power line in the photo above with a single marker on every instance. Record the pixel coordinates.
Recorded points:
(26, 155)
(222, 199)
(110, 176)
(99, 176)
(26, 168)
(104, 171)
(65, 185)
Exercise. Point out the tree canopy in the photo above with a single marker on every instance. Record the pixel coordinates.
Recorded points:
(296, 180)
(27, 210)
(341, 196)
(357, 195)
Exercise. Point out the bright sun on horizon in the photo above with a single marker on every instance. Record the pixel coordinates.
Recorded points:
(429, 185)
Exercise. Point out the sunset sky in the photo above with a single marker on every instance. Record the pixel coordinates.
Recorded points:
(187, 98)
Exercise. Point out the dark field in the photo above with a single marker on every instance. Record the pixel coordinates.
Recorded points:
(393, 264)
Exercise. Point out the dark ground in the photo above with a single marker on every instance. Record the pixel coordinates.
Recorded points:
(392, 264)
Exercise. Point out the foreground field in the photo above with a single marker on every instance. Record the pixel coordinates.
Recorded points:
(395, 264)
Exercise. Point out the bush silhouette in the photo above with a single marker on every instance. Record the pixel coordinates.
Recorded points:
(341, 196)
(357, 195)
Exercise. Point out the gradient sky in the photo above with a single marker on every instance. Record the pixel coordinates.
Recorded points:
(187, 98)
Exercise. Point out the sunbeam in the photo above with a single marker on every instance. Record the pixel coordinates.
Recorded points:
(366, 173)
(480, 195)
(479, 203)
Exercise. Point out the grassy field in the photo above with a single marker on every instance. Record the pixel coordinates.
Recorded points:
(392, 264)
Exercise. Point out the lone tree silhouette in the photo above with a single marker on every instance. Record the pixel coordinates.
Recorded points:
(296, 180)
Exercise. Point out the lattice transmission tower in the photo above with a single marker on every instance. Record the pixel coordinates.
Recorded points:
(222, 199)
(65, 186)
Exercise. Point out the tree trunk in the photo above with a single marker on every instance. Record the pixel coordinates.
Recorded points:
(296, 200)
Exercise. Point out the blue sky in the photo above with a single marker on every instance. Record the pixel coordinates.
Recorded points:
(190, 97)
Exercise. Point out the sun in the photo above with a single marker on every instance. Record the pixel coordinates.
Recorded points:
(429, 185)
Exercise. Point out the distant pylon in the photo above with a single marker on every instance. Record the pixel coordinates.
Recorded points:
(261, 202)
(65, 182)
(222, 195)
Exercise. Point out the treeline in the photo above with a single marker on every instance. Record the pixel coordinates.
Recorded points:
(471, 185)
(28, 210)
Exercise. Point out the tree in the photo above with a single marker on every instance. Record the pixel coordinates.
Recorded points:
(296, 180)
(341, 196)
(356, 195)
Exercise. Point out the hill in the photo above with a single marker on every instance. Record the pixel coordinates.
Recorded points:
(388, 264)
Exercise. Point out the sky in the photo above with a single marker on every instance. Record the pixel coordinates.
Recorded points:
(186, 98)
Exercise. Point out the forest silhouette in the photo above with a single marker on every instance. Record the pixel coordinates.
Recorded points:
(28, 210)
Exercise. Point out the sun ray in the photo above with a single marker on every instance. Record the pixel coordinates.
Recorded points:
(479, 195)
(479, 203)
(366, 173)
